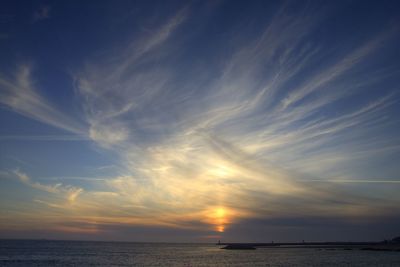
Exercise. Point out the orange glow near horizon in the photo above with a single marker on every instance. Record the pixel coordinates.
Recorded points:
(218, 217)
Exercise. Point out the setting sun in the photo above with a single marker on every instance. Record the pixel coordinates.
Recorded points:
(219, 218)
(220, 212)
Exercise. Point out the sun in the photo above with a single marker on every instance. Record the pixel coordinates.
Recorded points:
(220, 212)
(220, 220)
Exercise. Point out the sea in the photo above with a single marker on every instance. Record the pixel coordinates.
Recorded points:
(84, 253)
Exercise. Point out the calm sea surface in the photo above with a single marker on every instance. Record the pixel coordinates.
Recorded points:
(75, 253)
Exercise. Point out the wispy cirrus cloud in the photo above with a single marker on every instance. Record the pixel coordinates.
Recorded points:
(251, 136)
(44, 137)
(111, 79)
(20, 94)
(70, 192)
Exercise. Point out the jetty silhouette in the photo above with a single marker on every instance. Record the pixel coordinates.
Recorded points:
(386, 245)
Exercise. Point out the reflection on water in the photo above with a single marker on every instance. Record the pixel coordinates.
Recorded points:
(75, 253)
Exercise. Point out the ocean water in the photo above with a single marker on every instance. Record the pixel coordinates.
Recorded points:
(76, 253)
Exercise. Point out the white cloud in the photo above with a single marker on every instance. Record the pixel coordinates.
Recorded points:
(70, 192)
(21, 96)
(107, 135)
(237, 136)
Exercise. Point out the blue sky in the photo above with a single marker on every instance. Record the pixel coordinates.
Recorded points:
(199, 120)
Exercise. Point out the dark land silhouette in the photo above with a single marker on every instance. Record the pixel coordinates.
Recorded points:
(386, 245)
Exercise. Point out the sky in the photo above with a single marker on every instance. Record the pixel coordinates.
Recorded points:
(198, 121)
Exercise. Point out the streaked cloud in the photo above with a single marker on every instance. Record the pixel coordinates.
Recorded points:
(43, 137)
(70, 192)
(19, 93)
(260, 134)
